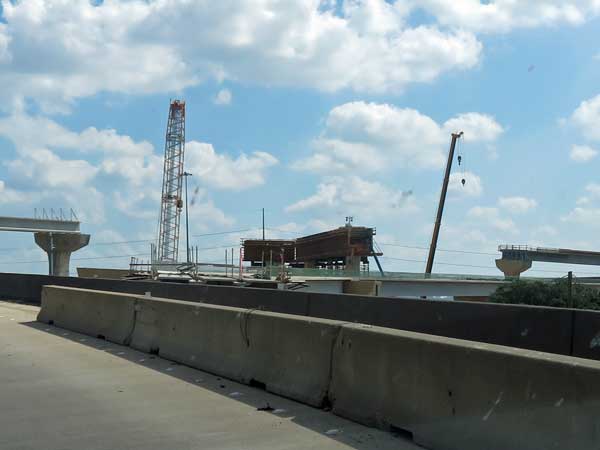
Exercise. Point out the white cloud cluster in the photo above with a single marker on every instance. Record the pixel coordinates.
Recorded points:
(354, 196)
(9, 195)
(223, 172)
(63, 165)
(39, 161)
(587, 118)
(223, 97)
(56, 51)
(369, 137)
(505, 15)
(517, 205)
(582, 153)
(472, 187)
(491, 216)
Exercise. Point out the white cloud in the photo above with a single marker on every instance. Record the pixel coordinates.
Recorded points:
(121, 155)
(46, 169)
(223, 172)
(476, 127)
(370, 137)
(587, 118)
(135, 47)
(586, 211)
(517, 205)
(354, 196)
(582, 215)
(472, 187)
(582, 153)
(491, 216)
(205, 215)
(593, 189)
(223, 97)
(9, 195)
(505, 15)
(56, 51)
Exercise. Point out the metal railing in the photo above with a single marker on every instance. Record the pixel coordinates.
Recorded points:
(527, 248)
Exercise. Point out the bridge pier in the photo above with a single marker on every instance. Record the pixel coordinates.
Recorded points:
(513, 268)
(59, 247)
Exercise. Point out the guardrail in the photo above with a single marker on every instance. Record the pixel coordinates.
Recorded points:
(527, 248)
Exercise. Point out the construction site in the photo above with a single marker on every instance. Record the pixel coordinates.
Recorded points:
(288, 343)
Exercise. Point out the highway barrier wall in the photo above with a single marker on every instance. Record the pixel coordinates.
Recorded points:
(448, 394)
(552, 330)
(456, 395)
(286, 354)
(108, 315)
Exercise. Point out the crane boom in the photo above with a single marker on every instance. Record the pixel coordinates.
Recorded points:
(171, 199)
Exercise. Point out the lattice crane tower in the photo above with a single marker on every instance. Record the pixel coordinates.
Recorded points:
(171, 200)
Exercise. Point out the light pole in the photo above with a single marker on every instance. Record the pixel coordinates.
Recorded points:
(187, 222)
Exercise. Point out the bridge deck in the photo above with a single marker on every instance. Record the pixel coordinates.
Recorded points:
(63, 390)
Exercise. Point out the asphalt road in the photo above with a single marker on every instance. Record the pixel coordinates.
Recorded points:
(60, 390)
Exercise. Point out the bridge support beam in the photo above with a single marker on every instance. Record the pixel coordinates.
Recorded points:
(513, 268)
(59, 247)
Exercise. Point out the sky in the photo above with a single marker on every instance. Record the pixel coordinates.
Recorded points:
(315, 111)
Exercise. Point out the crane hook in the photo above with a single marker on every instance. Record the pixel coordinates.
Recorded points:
(459, 159)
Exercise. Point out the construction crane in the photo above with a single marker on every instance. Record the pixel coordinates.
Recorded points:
(171, 200)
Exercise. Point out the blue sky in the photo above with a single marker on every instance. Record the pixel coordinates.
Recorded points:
(314, 110)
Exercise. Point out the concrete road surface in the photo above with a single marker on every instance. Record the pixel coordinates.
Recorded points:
(62, 390)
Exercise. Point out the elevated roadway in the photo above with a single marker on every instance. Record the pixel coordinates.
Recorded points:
(516, 259)
(62, 390)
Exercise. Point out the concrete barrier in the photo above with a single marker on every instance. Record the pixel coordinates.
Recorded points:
(458, 395)
(96, 313)
(586, 337)
(449, 394)
(536, 328)
(529, 327)
(286, 354)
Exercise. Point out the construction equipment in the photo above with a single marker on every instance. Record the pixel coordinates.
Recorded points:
(440, 211)
(171, 200)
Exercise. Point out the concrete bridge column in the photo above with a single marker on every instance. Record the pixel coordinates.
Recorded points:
(59, 247)
(353, 264)
(513, 268)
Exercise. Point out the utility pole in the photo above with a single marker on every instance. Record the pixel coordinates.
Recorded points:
(187, 221)
(570, 290)
(263, 222)
(440, 211)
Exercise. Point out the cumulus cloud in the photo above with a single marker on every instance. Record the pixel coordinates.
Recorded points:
(517, 205)
(81, 48)
(587, 118)
(120, 154)
(205, 215)
(223, 97)
(472, 187)
(582, 215)
(505, 15)
(9, 195)
(586, 211)
(492, 217)
(369, 137)
(475, 126)
(356, 196)
(135, 47)
(223, 172)
(46, 169)
(582, 153)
